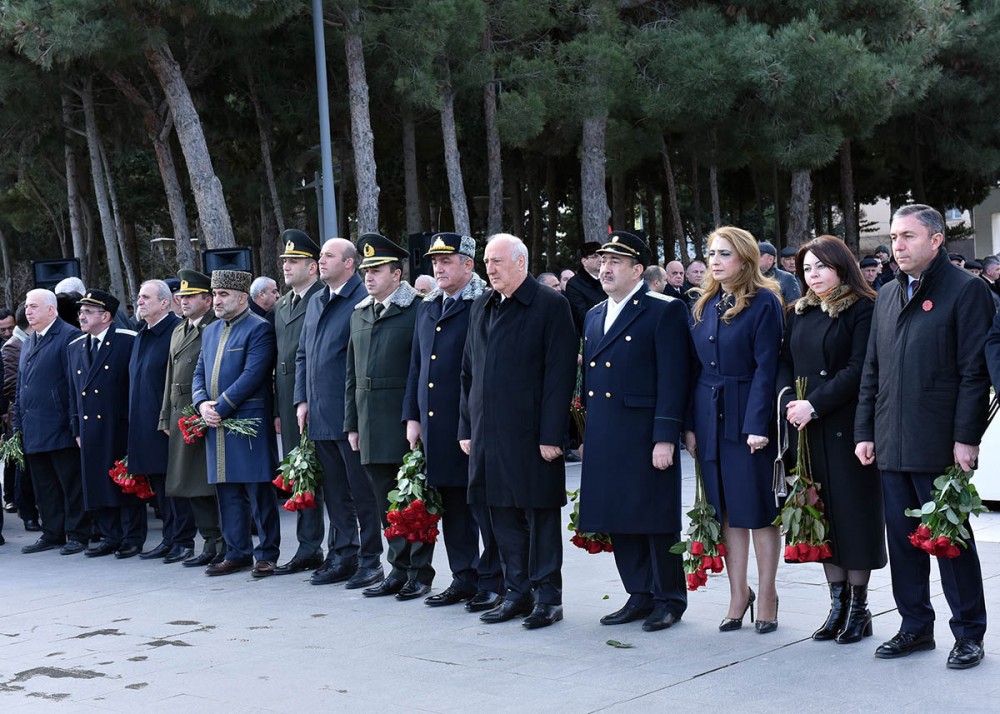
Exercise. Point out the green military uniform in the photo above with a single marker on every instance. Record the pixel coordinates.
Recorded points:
(288, 321)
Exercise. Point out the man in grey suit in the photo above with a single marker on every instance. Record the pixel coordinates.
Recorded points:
(302, 276)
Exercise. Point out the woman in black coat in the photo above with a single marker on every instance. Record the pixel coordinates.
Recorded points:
(825, 344)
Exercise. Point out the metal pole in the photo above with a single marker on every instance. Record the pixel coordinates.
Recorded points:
(318, 185)
(329, 205)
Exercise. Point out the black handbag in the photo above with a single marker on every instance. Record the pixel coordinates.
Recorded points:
(778, 484)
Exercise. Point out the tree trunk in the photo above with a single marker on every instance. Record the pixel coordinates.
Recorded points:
(494, 167)
(453, 160)
(713, 187)
(117, 284)
(847, 205)
(208, 196)
(72, 188)
(671, 249)
(411, 183)
(650, 223)
(270, 265)
(127, 258)
(90, 243)
(777, 204)
(798, 208)
(362, 139)
(264, 129)
(675, 212)
(516, 218)
(696, 198)
(594, 209)
(619, 217)
(817, 209)
(8, 272)
(535, 242)
(552, 227)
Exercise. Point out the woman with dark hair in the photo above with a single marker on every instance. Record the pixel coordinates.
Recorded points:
(825, 343)
(736, 325)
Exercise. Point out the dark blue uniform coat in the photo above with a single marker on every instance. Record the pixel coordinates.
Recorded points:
(734, 397)
(147, 445)
(99, 413)
(635, 388)
(436, 359)
(41, 412)
(518, 374)
(235, 368)
(321, 360)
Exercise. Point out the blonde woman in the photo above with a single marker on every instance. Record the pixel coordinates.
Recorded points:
(736, 326)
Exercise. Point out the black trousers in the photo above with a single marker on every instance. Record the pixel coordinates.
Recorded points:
(24, 495)
(58, 484)
(649, 571)
(461, 526)
(409, 561)
(205, 510)
(237, 503)
(530, 542)
(309, 530)
(125, 525)
(961, 577)
(178, 520)
(350, 505)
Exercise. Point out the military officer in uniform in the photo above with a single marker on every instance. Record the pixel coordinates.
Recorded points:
(431, 409)
(98, 368)
(378, 358)
(233, 379)
(187, 472)
(636, 356)
(301, 275)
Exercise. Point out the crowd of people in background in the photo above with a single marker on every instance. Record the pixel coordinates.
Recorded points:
(482, 373)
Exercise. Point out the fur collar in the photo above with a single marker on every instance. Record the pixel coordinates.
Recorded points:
(403, 296)
(470, 292)
(833, 303)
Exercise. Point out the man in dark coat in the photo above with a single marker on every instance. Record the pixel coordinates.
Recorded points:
(148, 446)
(377, 365)
(301, 275)
(41, 414)
(98, 368)
(791, 290)
(23, 495)
(187, 471)
(430, 409)
(320, 373)
(637, 364)
(922, 408)
(518, 374)
(584, 289)
(233, 380)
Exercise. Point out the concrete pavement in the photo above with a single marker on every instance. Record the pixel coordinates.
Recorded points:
(82, 635)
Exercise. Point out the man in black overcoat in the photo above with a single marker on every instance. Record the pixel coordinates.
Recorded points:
(584, 289)
(922, 408)
(430, 408)
(518, 374)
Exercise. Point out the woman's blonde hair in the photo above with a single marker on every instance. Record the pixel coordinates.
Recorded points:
(747, 282)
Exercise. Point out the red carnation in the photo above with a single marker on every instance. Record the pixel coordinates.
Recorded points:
(697, 547)
(289, 505)
(721, 549)
(717, 564)
(593, 547)
(791, 553)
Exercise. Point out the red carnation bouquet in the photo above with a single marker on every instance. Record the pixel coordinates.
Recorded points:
(193, 426)
(136, 484)
(414, 507)
(593, 543)
(300, 473)
(802, 520)
(704, 549)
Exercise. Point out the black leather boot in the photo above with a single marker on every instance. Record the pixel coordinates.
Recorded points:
(839, 600)
(859, 619)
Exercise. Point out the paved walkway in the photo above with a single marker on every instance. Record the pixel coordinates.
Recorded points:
(82, 635)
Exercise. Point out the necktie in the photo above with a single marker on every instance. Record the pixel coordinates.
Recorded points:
(95, 346)
(448, 302)
(914, 286)
(379, 309)
(296, 299)
(90, 349)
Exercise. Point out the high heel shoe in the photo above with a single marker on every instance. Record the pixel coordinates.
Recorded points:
(731, 623)
(765, 626)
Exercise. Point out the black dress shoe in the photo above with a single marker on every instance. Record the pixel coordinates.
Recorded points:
(101, 549)
(219, 557)
(484, 600)
(178, 553)
(413, 590)
(629, 613)
(226, 567)
(365, 577)
(127, 551)
(966, 653)
(72, 548)
(200, 561)
(449, 596)
(32, 526)
(39, 545)
(543, 616)
(659, 619)
(508, 610)
(158, 552)
(389, 586)
(903, 644)
(336, 573)
(298, 565)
